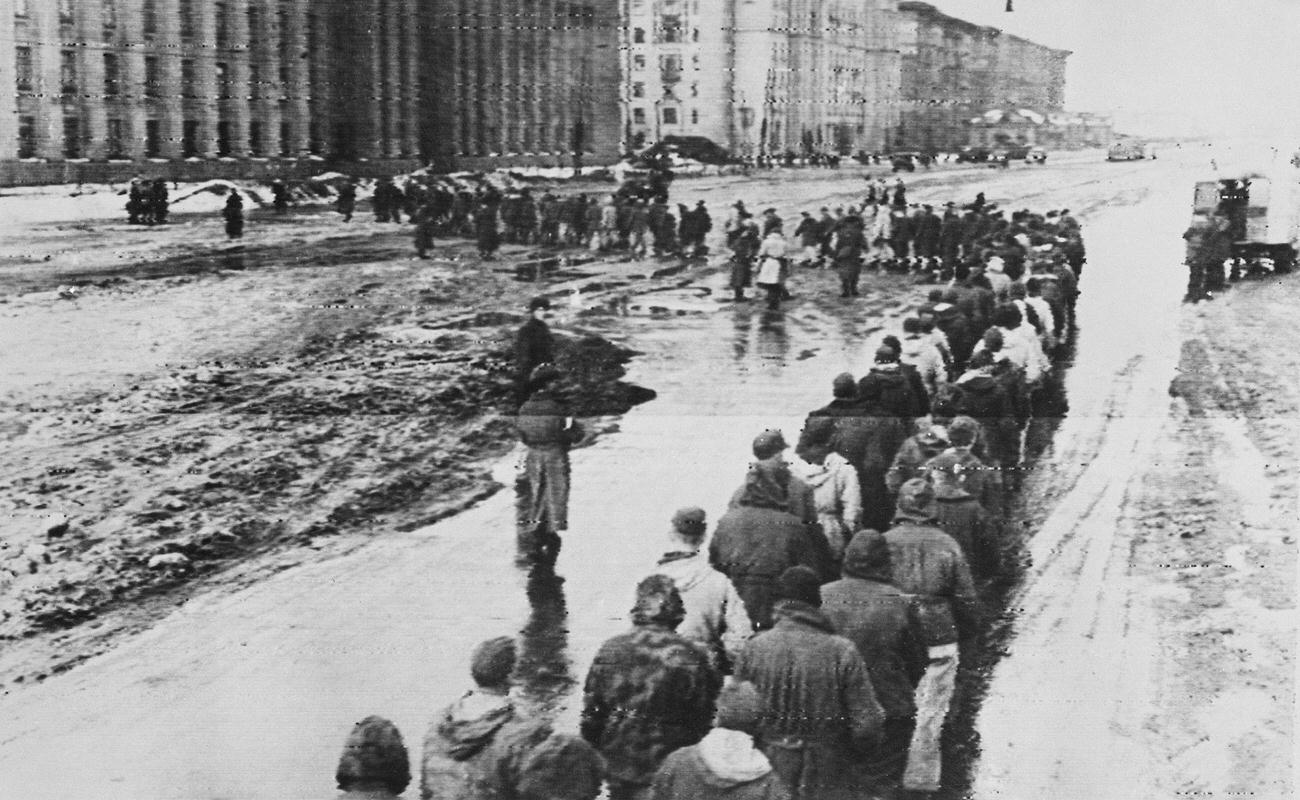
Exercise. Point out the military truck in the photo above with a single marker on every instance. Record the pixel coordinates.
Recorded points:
(1262, 214)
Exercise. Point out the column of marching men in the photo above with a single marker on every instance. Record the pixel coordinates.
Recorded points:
(809, 647)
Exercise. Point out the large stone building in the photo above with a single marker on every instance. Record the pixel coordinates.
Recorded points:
(96, 81)
(762, 76)
(953, 70)
(523, 82)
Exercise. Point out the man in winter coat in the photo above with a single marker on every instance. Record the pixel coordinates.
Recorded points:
(889, 387)
(834, 481)
(928, 563)
(544, 425)
(744, 250)
(822, 712)
(534, 345)
(885, 625)
(981, 397)
(716, 619)
(808, 234)
(917, 449)
(726, 764)
(770, 446)
(919, 352)
(849, 245)
(960, 513)
(758, 539)
(649, 692)
(481, 748)
(982, 480)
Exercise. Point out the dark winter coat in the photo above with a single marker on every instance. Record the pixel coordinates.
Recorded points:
(474, 749)
(885, 625)
(892, 393)
(534, 345)
(753, 545)
(821, 714)
(965, 520)
(912, 456)
(983, 398)
(648, 693)
(691, 774)
(928, 563)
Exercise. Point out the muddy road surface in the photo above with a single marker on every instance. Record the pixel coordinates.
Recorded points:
(247, 685)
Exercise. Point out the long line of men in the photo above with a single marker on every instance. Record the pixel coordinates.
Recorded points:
(798, 651)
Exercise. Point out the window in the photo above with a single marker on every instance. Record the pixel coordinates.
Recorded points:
(68, 71)
(24, 71)
(223, 138)
(113, 141)
(189, 79)
(695, 116)
(638, 62)
(27, 137)
(638, 35)
(670, 68)
(111, 76)
(255, 143)
(152, 138)
(20, 8)
(152, 77)
(71, 137)
(695, 34)
(66, 12)
(670, 28)
(109, 17)
(255, 77)
(223, 24)
(150, 16)
(190, 138)
(638, 116)
(695, 90)
(670, 116)
(223, 86)
(285, 135)
(638, 89)
(187, 18)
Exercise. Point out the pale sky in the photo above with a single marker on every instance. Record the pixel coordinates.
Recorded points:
(1168, 66)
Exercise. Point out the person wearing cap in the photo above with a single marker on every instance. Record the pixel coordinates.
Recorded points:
(375, 764)
(961, 515)
(919, 448)
(770, 446)
(649, 691)
(929, 564)
(731, 228)
(834, 482)
(534, 345)
(983, 397)
(928, 230)
(822, 716)
(744, 246)
(548, 431)
(885, 625)
(758, 537)
(850, 244)
(715, 615)
(894, 392)
(482, 748)
(771, 222)
(965, 450)
(915, 382)
(772, 267)
(486, 233)
(726, 764)
(919, 352)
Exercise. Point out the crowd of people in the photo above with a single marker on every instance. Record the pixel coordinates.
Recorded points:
(808, 648)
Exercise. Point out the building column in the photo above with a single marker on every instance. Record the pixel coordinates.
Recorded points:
(49, 91)
(205, 68)
(130, 19)
(172, 90)
(296, 91)
(238, 105)
(90, 77)
(8, 97)
(266, 102)
(321, 83)
(411, 83)
(393, 79)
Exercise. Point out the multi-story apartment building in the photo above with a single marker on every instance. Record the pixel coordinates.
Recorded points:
(169, 80)
(523, 81)
(953, 70)
(762, 76)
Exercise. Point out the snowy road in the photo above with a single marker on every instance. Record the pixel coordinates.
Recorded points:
(249, 694)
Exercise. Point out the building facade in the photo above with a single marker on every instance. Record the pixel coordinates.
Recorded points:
(523, 82)
(762, 77)
(953, 70)
(170, 80)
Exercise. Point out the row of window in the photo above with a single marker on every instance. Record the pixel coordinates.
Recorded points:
(69, 78)
(670, 31)
(667, 116)
(151, 20)
(638, 89)
(115, 139)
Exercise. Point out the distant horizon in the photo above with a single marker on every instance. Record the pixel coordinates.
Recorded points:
(1156, 67)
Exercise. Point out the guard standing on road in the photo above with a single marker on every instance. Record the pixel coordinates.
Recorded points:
(234, 214)
(534, 345)
(545, 427)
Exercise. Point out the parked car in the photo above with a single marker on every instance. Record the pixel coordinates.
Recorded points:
(1036, 155)
(972, 155)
